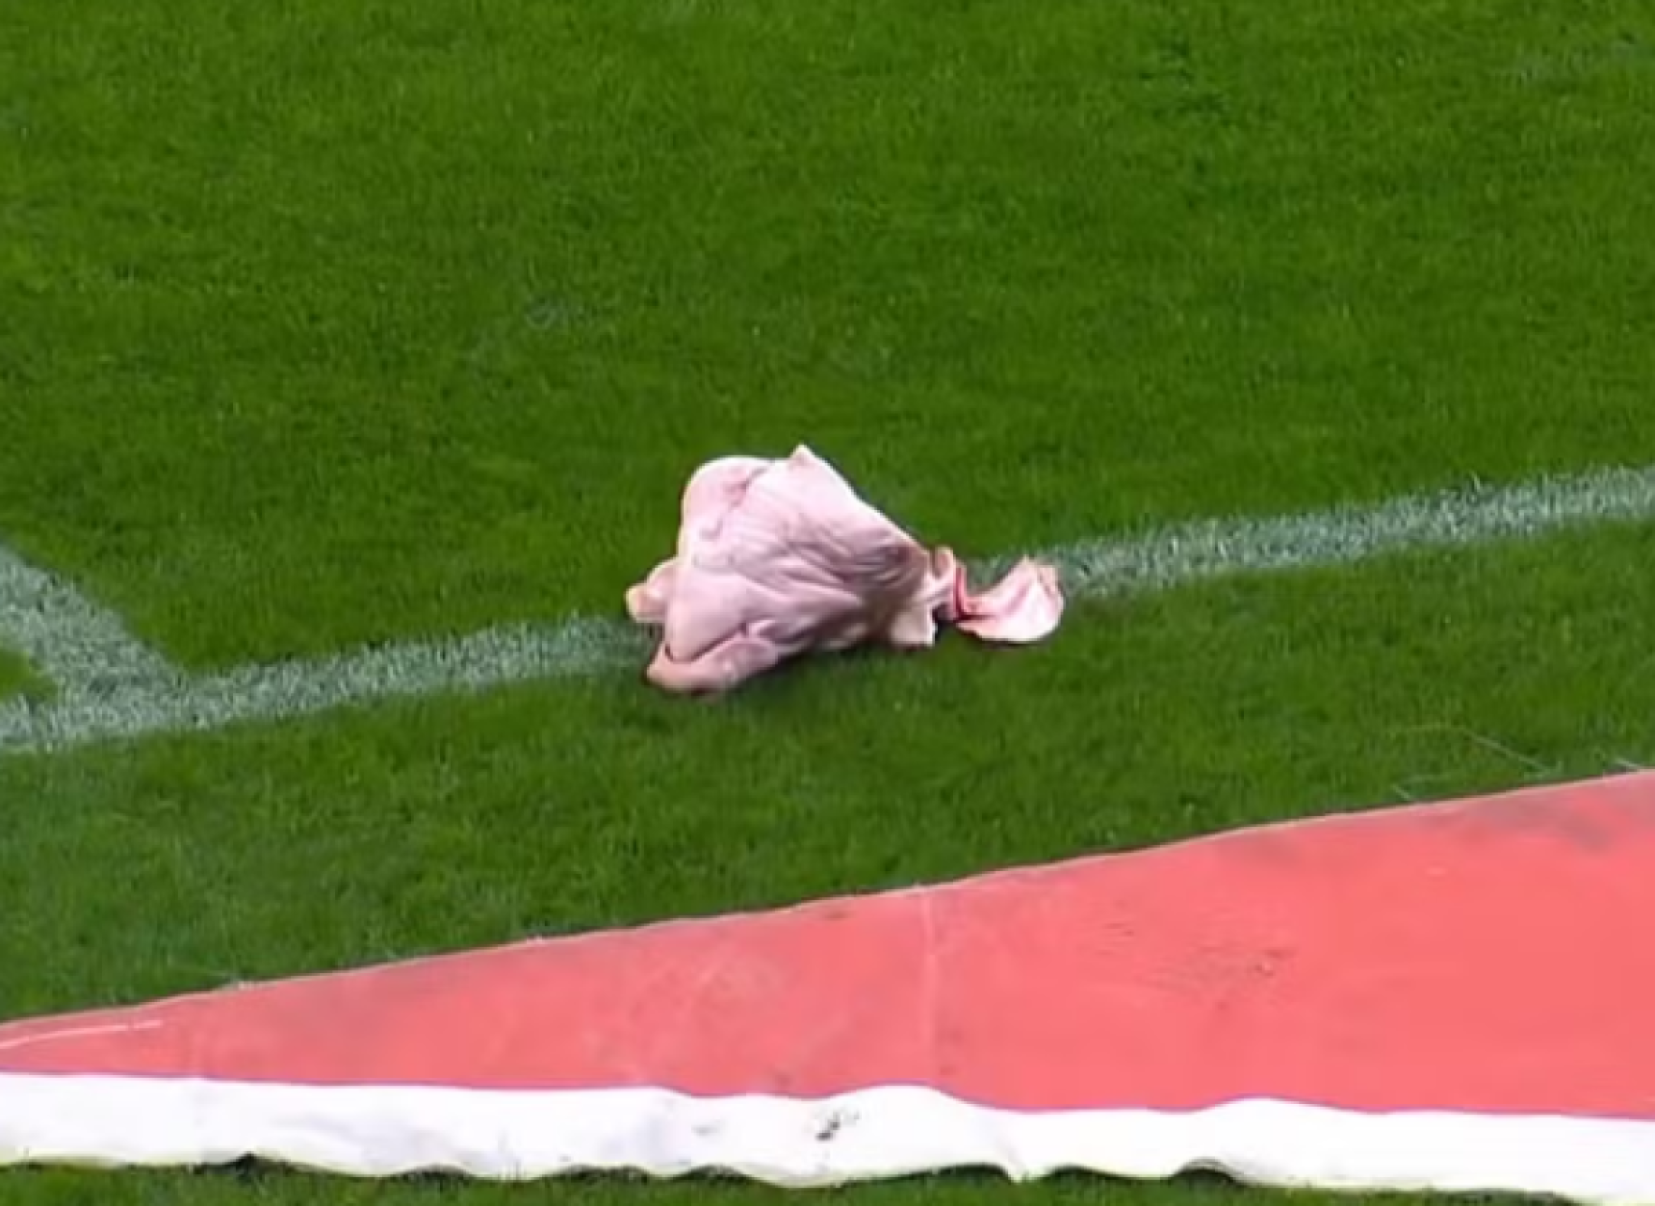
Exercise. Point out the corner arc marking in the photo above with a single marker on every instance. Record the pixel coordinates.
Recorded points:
(80, 646)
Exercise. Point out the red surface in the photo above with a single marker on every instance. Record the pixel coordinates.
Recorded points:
(1493, 955)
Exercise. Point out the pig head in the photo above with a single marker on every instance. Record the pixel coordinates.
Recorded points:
(778, 558)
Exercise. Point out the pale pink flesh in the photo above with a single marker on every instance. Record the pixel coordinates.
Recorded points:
(778, 558)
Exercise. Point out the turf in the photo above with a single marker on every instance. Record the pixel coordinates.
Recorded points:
(336, 321)
(349, 322)
(258, 1187)
(18, 679)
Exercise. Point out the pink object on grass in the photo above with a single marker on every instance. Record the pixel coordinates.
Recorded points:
(778, 558)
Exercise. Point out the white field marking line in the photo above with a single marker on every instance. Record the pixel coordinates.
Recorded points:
(110, 686)
(79, 646)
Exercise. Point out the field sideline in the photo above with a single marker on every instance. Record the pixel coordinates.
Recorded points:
(336, 330)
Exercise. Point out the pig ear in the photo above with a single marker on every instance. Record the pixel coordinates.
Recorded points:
(647, 602)
(1023, 607)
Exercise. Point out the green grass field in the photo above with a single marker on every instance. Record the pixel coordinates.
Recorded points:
(16, 677)
(330, 322)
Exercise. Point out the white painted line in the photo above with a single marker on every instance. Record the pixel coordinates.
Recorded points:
(66, 637)
(1470, 515)
(111, 687)
(491, 658)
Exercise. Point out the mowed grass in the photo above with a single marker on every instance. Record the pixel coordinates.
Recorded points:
(336, 321)
(16, 678)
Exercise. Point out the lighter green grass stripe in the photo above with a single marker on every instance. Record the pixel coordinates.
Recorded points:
(136, 693)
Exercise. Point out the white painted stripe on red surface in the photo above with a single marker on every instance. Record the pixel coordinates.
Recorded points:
(872, 1134)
